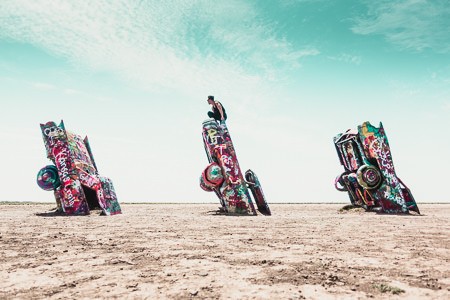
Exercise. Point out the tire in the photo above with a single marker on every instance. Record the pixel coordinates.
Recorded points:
(339, 183)
(212, 176)
(48, 178)
(369, 177)
(204, 186)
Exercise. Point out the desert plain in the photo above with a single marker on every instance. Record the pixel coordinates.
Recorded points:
(192, 251)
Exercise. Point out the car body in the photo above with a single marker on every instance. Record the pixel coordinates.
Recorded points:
(74, 178)
(223, 174)
(369, 176)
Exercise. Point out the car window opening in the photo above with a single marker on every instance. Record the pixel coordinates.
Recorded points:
(91, 197)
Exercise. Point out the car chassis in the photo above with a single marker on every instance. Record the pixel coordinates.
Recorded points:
(74, 178)
(369, 176)
(223, 174)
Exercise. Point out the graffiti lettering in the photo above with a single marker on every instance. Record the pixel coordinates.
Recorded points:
(220, 148)
(61, 159)
(213, 137)
(70, 198)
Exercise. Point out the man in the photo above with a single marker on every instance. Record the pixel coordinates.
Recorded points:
(218, 111)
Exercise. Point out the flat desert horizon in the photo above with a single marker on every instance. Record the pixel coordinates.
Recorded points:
(182, 251)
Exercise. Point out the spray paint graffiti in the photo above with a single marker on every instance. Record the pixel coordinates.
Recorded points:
(230, 186)
(369, 176)
(74, 177)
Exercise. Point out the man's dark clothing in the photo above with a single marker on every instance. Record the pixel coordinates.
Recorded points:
(216, 113)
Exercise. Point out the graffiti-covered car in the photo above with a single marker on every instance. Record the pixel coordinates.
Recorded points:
(223, 175)
(73, 177)
(369, 176)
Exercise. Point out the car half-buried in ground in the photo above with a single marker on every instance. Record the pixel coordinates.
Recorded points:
(369, 176)
(223, 175)
(73, 177)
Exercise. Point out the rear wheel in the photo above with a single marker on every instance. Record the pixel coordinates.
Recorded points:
(204, 186)
(48, 178)
(212, 176)
(369, 177)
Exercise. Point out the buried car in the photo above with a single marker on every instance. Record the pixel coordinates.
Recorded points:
(224, 177)
(369, 176)
(74, 178)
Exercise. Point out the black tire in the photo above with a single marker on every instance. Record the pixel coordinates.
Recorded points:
(369, 177)
(339, 183)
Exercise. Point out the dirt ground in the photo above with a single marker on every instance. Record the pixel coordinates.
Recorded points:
(179, 251)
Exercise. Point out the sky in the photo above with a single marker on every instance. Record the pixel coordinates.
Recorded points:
(134, 77)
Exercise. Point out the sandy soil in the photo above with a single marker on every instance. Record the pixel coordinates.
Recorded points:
(175, 251)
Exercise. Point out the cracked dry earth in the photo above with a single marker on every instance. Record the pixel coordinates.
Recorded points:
(182, 251)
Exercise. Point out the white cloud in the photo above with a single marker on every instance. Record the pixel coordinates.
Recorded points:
(347, 58)
(43, 86)
(188, 45)
(71, 92)
(295, 2)
(409, 24)
(46, 87)
(430, 96)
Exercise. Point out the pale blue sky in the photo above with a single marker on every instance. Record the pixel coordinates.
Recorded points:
(134, 77)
